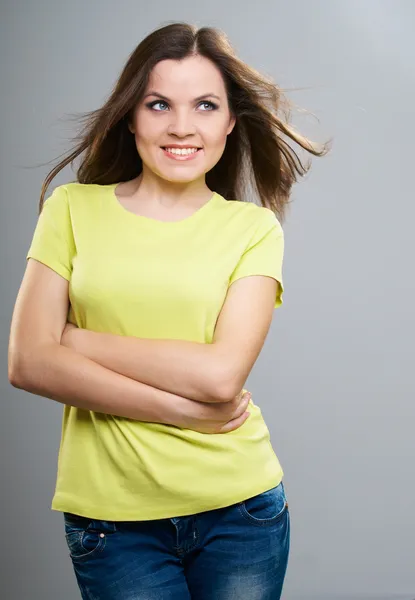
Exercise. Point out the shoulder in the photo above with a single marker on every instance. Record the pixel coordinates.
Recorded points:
(252, 216)
(75, 190)
(73, 195)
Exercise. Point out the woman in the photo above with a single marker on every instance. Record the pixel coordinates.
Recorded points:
(148, 294)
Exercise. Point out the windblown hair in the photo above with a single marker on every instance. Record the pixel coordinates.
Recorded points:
(257, 152)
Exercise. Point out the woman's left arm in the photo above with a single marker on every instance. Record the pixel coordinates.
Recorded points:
(213, 372)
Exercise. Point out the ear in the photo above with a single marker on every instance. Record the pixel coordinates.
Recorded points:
(231, 125)
(130, 127)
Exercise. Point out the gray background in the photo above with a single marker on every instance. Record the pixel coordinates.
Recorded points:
(335, 378)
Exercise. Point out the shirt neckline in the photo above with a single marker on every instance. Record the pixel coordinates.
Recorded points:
(149, 221)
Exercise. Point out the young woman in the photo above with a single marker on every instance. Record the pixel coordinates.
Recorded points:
(149, 291)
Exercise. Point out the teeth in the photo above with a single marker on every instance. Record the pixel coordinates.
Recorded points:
(181, 150)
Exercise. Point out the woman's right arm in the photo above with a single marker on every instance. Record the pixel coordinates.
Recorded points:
(38, 363)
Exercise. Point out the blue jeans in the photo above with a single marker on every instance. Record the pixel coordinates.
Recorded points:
(235, 553)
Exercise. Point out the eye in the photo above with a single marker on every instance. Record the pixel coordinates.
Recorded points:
(154, 103)
(210, 105)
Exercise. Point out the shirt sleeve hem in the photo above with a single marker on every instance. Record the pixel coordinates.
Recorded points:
(59, 269)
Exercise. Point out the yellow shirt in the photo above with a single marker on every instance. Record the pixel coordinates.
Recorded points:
(136, 276)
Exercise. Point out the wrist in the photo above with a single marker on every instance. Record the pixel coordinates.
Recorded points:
(170, 409)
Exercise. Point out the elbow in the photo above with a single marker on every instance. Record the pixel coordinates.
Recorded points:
(15, 376)
(16, 359)
(223, 382)
(229, 393)
(17, 383)
(228, 387)
(18, 370)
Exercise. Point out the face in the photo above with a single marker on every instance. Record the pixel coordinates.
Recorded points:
(184, 105)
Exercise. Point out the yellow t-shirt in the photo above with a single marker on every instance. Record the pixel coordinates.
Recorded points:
(137, 276)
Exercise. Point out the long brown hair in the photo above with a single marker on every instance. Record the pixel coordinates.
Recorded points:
(256, 154)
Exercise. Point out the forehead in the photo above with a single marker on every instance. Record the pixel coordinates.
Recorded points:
(195, 74)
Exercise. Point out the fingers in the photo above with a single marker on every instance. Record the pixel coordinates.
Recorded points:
(241, 397)
(235, 423)
(240, 415)
(244, 403)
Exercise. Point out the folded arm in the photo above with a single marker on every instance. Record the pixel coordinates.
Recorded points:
(39, 364)
(213, 372)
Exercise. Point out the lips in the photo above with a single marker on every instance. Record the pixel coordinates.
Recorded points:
(181, 156)
(175, 147)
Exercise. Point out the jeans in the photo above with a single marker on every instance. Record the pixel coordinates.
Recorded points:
(235, 553)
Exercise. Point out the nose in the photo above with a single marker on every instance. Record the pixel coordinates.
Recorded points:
(181, 124)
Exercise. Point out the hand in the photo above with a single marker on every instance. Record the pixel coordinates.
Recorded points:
(68, 335)
(218, 417)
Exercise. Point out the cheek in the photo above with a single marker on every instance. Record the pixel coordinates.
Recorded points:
(216, 141)
(143, 132)
(146, 139)
(214, 135)
(147, 128)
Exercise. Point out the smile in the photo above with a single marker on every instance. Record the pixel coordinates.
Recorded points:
(181, 153)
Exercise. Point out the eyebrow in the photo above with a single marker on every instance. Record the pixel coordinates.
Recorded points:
(154, 93)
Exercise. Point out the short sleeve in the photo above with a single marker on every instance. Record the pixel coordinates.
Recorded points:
(264, 254)
(53, 241)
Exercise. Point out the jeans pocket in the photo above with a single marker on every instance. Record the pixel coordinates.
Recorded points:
(266, 508)
(85, 537)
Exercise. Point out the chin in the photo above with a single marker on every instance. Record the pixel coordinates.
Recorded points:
(180, 177)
